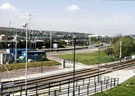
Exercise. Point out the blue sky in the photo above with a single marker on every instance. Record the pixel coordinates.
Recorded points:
(102, 17)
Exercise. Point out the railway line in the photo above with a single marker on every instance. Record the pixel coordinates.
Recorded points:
(64, 78)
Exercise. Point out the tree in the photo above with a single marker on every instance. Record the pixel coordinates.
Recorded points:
(63, 42)
(109, 51)
(94, 39)
(128, 47)
(46, 43)
(116, 38)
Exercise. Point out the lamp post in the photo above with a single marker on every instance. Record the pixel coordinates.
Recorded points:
(26, 69)
(29, 33)
(74, 37)
(16, 47)
(84, 44)
(50, 40)
(29, 25)
(98, 62)
(120, 51)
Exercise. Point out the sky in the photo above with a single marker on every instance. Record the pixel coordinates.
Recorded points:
(100, 17)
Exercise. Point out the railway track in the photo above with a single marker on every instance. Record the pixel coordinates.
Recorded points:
(65, 78)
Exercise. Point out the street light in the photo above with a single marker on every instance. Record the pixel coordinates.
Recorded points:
(26, 70)
(50, 40)
(74, 37)
(29, 25)
(120, 51)
(98, 62)
(16, 47)
(29, 30)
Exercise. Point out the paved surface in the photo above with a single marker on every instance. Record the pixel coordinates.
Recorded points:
(47, 72)
(123, 74)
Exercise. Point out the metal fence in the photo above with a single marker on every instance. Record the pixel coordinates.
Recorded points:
(83, 86)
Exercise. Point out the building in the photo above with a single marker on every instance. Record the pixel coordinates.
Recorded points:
(36, 37)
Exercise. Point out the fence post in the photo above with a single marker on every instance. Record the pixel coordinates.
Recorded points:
(1, 90)
(76, 82)
(94, 79)
(95, 87)
(114, 81)
(111, 83)
(69, 83)
(83, 81)
(21, 90)
(36, 89)
(89, 80)
(79, 91)
(13, 90)
(88, 89)
(101, 86)
(49, 88)
(68, 91)
(106, 84)
(60, 87)
(104, 79)
(55, 93)
(117, 81)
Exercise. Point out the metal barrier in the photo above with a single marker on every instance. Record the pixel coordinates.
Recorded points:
(87, 89)
(65, 87)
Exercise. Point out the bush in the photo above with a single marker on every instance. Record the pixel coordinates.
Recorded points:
(30, 64)
(109, 51)
(42, 58)
(128, 47)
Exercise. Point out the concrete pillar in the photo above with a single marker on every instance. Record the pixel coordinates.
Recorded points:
(63, 63)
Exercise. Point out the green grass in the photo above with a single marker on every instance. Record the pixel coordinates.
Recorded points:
(125, 89)
(90, 58)
(30, 64)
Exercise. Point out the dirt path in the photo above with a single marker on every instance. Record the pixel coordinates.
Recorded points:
(21, 72)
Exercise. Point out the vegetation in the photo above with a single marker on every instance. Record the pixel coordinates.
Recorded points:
(116, 38)
(128, 47)
(94, 39)
(109, 51)
(125, 89)
(30, 64)
(90, 58)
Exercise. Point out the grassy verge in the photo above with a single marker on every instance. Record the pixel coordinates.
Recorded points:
(90, 58)
(125, 89)
(30, 64)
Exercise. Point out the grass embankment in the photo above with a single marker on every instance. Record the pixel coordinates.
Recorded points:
(16, 66)
(90, 58)
(125, 89)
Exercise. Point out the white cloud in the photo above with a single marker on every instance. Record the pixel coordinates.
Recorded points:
(7, 6)
(17, 12)
(73, 8)
(23, 15)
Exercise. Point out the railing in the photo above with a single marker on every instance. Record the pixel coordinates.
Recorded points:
(88, 88)
(83, 86)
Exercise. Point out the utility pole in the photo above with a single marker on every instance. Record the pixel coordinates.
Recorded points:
(29, 25)
(50, 40)
(74, 42)
(98, 62)
(84, 44)
(8, 32)
(16, 47)
(89, 36)
(26, 65)
(29, 30)
(120, 51)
